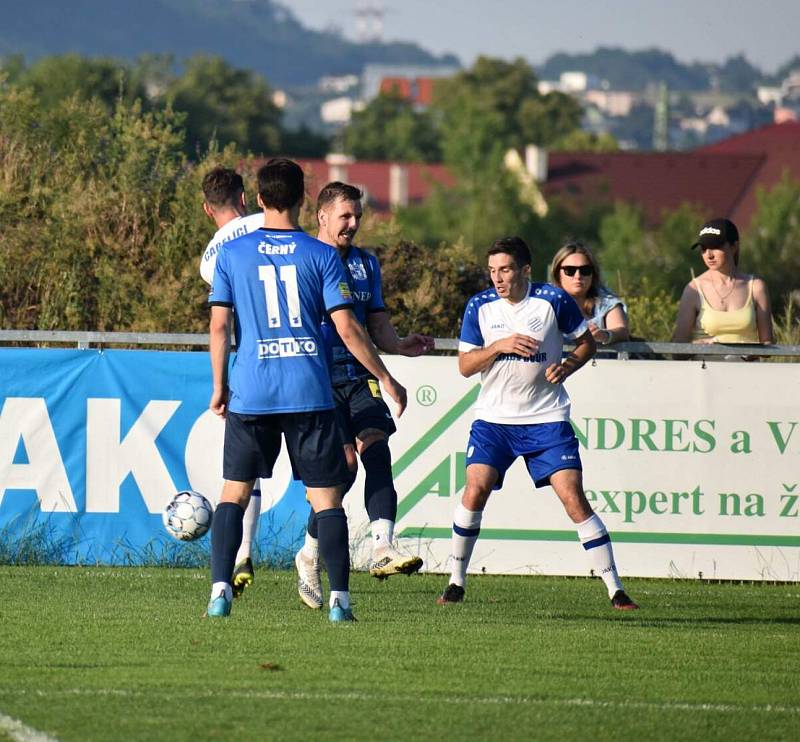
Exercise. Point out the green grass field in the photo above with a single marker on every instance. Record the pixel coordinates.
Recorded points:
(123, 654)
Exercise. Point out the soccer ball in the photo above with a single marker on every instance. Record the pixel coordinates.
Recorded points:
(187, 516)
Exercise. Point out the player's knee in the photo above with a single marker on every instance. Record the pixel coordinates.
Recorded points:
(475, 497)
(377, 458)
(369, 438)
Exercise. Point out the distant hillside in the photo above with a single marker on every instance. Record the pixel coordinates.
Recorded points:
(634, 70)
(261, 35)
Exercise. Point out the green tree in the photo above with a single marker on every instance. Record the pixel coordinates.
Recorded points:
(638, 260)
(626, 70)
(57, 78)
(12, 66)
(482, 113)
(225, 104)
(522, 115)
(88, 207)
(303, 142)
(737, 75)
(389, 128)
(770, 248)
(586, 141)
(425, 289)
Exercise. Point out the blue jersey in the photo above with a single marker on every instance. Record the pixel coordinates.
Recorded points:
(363, 274)
(281, 284)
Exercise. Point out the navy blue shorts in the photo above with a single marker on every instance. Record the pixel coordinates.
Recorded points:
(546, 448)
(360, 407)
(253, 442)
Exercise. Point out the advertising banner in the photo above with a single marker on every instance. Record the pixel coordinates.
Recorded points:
(693, 467)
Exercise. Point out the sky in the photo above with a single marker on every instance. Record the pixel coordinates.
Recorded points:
(766, 32)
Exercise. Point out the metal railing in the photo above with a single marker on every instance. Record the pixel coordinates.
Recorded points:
(89, 339)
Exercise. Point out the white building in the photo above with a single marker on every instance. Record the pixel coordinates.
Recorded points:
(338, 110)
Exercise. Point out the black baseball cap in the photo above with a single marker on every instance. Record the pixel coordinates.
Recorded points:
(717, 233)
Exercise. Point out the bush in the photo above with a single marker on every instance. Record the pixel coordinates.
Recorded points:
(425, 290)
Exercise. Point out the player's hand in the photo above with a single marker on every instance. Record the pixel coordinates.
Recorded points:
(397, 392)
(219, 402)
(556, 373)
(521, 345)
(415, 344)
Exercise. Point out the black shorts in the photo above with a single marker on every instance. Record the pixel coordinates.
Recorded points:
(253, 442)
(359, 407)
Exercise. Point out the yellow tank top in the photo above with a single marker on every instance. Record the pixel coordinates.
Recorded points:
(733, 326)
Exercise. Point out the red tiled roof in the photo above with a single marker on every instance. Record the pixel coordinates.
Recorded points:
(398, 85)
(657, 182)
(721, 180)
(373, 178)
(778, 145)
(419, 90)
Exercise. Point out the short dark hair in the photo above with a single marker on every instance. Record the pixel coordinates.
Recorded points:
(222, 186)
(335, 190)
(281, 184)
(514, 246)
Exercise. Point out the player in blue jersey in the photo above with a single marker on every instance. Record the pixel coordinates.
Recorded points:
(362, 416)
(281, 283)
(513, 336)
(224, 201)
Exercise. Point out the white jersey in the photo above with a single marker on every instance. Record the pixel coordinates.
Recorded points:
(237, 227)
(514, 390)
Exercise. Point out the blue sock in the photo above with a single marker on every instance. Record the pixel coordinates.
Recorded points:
(380, 497)
(226, 537)
(334, 547)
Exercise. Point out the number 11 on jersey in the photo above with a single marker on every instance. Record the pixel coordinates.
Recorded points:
(266, 274)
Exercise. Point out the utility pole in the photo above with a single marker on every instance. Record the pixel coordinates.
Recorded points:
(661, 119)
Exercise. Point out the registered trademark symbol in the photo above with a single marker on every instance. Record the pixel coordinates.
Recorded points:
(426, 395)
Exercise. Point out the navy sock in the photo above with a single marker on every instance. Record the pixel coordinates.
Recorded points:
(311, 526)
(334, 548)
(380, 498)
(226, 537)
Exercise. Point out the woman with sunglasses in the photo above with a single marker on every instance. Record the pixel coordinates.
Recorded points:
(575, 270)
(723, 305)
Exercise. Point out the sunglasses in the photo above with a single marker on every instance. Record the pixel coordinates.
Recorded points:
(584, 270)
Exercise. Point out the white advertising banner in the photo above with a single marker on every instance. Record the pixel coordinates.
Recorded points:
(693, 467)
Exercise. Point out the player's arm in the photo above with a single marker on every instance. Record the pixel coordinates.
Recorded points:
(219, 348)
(479, 359)
(355, 337)
(383, 334)
(585, 347)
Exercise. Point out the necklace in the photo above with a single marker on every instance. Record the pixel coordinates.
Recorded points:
(723, 297)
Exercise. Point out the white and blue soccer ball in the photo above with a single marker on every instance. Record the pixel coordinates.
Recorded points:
(187, 516)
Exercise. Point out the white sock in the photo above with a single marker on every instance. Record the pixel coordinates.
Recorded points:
(249, 526)
(597, 543)
(343, 596)
(311, 547)
(466, 528)
(222, 587)
(382, 533)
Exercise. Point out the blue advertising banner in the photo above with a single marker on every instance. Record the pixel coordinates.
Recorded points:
(94, 443)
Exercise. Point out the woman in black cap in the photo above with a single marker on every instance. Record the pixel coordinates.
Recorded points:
(723, 305)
